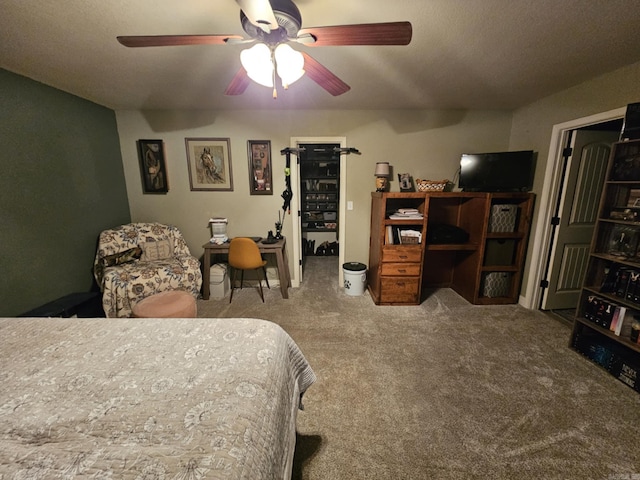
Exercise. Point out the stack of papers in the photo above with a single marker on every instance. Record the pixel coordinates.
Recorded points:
(406, 214)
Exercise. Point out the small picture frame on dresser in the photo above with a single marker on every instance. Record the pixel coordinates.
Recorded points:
(406, 183)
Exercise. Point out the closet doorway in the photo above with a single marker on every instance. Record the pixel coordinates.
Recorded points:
(586, 159)
(547, 255)
(319, 185)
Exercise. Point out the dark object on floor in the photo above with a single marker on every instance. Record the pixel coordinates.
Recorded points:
(326, 249)
(82, 305)
(309, 246)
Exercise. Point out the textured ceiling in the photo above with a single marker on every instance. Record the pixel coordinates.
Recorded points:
(467, 54)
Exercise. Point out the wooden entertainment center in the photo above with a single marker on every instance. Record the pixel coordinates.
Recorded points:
(472, 242)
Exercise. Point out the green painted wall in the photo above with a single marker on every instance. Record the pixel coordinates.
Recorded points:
(61, 183)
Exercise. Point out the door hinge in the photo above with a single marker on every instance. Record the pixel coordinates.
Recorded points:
(567, 152)
(544, 284)
(300, 262)
(555, 221)
(299, 213)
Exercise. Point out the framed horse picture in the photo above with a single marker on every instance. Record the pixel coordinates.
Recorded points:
(260, 182)
(209, 163)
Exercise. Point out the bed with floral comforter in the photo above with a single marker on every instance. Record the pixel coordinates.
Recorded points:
(148, 399)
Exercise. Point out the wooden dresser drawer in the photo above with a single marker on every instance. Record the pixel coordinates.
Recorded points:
(403, 254)
(400, 269)
(400, 290)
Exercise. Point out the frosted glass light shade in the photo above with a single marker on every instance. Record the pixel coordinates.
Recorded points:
(289, 64)
(258, 61)
(258, 64)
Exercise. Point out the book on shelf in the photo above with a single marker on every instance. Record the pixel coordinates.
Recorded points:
(618, 319)
(610, 277)
(590, 308)
(633, 289)
(604, 314)
(622, 282)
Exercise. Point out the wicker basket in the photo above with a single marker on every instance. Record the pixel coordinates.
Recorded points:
(409, 240)
(431, 185)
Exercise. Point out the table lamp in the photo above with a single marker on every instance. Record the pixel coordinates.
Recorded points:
(382, 174)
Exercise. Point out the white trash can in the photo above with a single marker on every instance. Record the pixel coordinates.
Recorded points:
(355, 278)
(219, 281)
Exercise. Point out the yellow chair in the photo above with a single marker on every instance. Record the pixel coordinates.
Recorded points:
(244, 254)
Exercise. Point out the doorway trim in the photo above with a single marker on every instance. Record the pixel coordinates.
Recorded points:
(543, 231)
(295, 206)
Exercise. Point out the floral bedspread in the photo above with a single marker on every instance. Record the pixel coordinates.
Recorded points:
(148, 399)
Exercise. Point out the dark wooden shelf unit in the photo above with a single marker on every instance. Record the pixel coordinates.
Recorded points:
(614, 250)
(398, 273)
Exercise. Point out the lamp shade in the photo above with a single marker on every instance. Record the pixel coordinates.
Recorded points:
(258, 64)
(258, 61)
(289, 64)
(382, 169)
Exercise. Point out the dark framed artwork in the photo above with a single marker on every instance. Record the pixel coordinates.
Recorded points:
(209, 163)
(406, 185)
(260, 174)
(153, 168)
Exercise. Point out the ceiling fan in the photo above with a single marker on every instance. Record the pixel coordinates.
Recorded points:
(275, 23)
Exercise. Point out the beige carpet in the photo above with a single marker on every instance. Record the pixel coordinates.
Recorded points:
(444, 390)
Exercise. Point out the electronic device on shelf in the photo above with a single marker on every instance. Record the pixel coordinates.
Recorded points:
(497, 172)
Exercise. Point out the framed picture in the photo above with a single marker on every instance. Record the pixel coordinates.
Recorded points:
(623, 241)
(260, 181)
(153, 169)
(406, 185)
(209, 162)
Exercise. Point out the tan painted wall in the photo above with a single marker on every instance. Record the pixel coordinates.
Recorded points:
(428, 144)
(533, 124)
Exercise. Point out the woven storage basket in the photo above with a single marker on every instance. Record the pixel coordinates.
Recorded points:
(408, 240)
(431, 185)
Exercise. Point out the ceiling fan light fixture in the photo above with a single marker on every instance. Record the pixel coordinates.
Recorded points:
(289, 64)
(260, 61)
(258, 64)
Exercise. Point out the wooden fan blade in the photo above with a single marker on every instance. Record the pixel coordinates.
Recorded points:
(174, 40)
(323, 77)
(391, 33)
(239, 83)
(260, 13)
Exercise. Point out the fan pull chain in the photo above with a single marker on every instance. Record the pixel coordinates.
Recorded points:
(273, 62)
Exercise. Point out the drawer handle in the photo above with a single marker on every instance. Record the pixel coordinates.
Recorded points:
(400, 284)
(404, 256)
(401, 270)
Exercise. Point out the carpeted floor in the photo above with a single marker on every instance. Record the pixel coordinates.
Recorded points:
(444, 390)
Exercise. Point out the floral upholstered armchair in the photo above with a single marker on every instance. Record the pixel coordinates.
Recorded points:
(136, 260)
